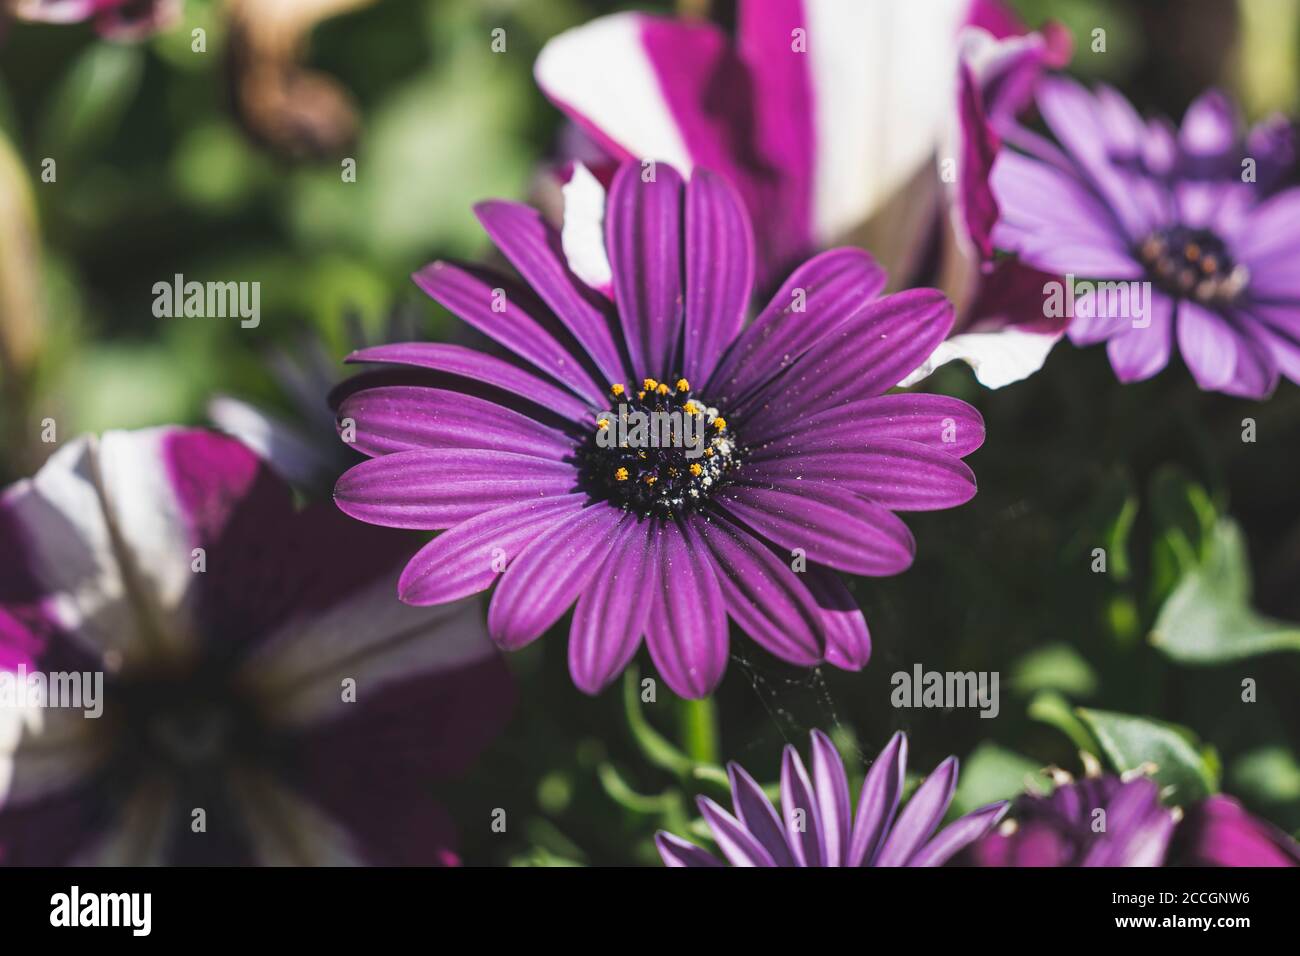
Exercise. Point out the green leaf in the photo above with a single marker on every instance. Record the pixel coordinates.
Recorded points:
(87, 106)
(1129, 742)
(1208, 620)
(1056, 667)
(1054, 710)
(994, 773)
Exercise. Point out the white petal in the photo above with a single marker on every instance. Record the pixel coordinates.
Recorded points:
(601, 70)
(884, 87)
(583, 234)
(998, 357)
(287, 449)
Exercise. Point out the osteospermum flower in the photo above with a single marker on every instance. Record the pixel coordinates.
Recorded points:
(115, 19)
(800, 464)
(1096, 821)
(816, 112)
(1107, 820)
(261, 700)
(817, 827)
(1121, 199)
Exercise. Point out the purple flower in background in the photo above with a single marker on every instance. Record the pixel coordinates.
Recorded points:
(1106, 820)
(817, 113)
(1219, 832)
(243, 667)
(1096, 821)
(114, 19)
(817, 826)
(1121, 199)
(797, 465)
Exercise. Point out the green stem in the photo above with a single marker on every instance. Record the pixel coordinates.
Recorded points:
(699, 730)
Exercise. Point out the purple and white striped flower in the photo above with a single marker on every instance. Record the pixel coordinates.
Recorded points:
(818, 113)
(807, 458)
(817, 827)
(226, 627)
(1121, 199)
(114, 19)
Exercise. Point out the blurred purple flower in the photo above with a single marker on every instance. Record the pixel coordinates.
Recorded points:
(114, 19)
(806, 457)
(1124, 199)
(1096, 821)
(224, 627)
(1219, 832)
(818, 827)
(817, 113)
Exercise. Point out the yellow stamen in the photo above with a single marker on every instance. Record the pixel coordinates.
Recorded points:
(690, 408)
(616, 389)
(696, 469)
(620, 475)
(708, 453)
(650, 479)
(649, 385)
(640, 394)
(683, 385)
(662, 389)
(719, 423)
(602, 423)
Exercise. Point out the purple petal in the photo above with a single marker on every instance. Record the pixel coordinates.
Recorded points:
(435, 489)
(470, 556)
(719, 272)
(958, 835)
(1138, 353)
(687, 629)
(920, 817)
(803, 824)
(1219, 832)
(509, 315)
(533, 248)
(832, 787)
(403, 418)
(878, 802)
(1208, 345)
(737, 844)
(763, 595)
(612, 612)
(900, 475)
(675, 851)
(643, 233)
(477, 366)
(1209, 126)
(758, 815)
(549, 574)
(848, 642)
(819, 295)
(833, 527)
(947, 424)
(860, 358)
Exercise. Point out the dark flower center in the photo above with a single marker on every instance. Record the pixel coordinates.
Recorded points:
(658, 451)
(1193, 264)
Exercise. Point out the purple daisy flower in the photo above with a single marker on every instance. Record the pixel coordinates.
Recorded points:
(1096, 821)
(1125, 200)
(817, 826)
(797, 466)
(114, 19)
(224, 630)
(1219, 832)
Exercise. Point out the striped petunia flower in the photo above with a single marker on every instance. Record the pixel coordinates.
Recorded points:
(817, 826)
(258, 698)
(816, 111)
(793, 470)
(1147, 208)
(114, 19)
